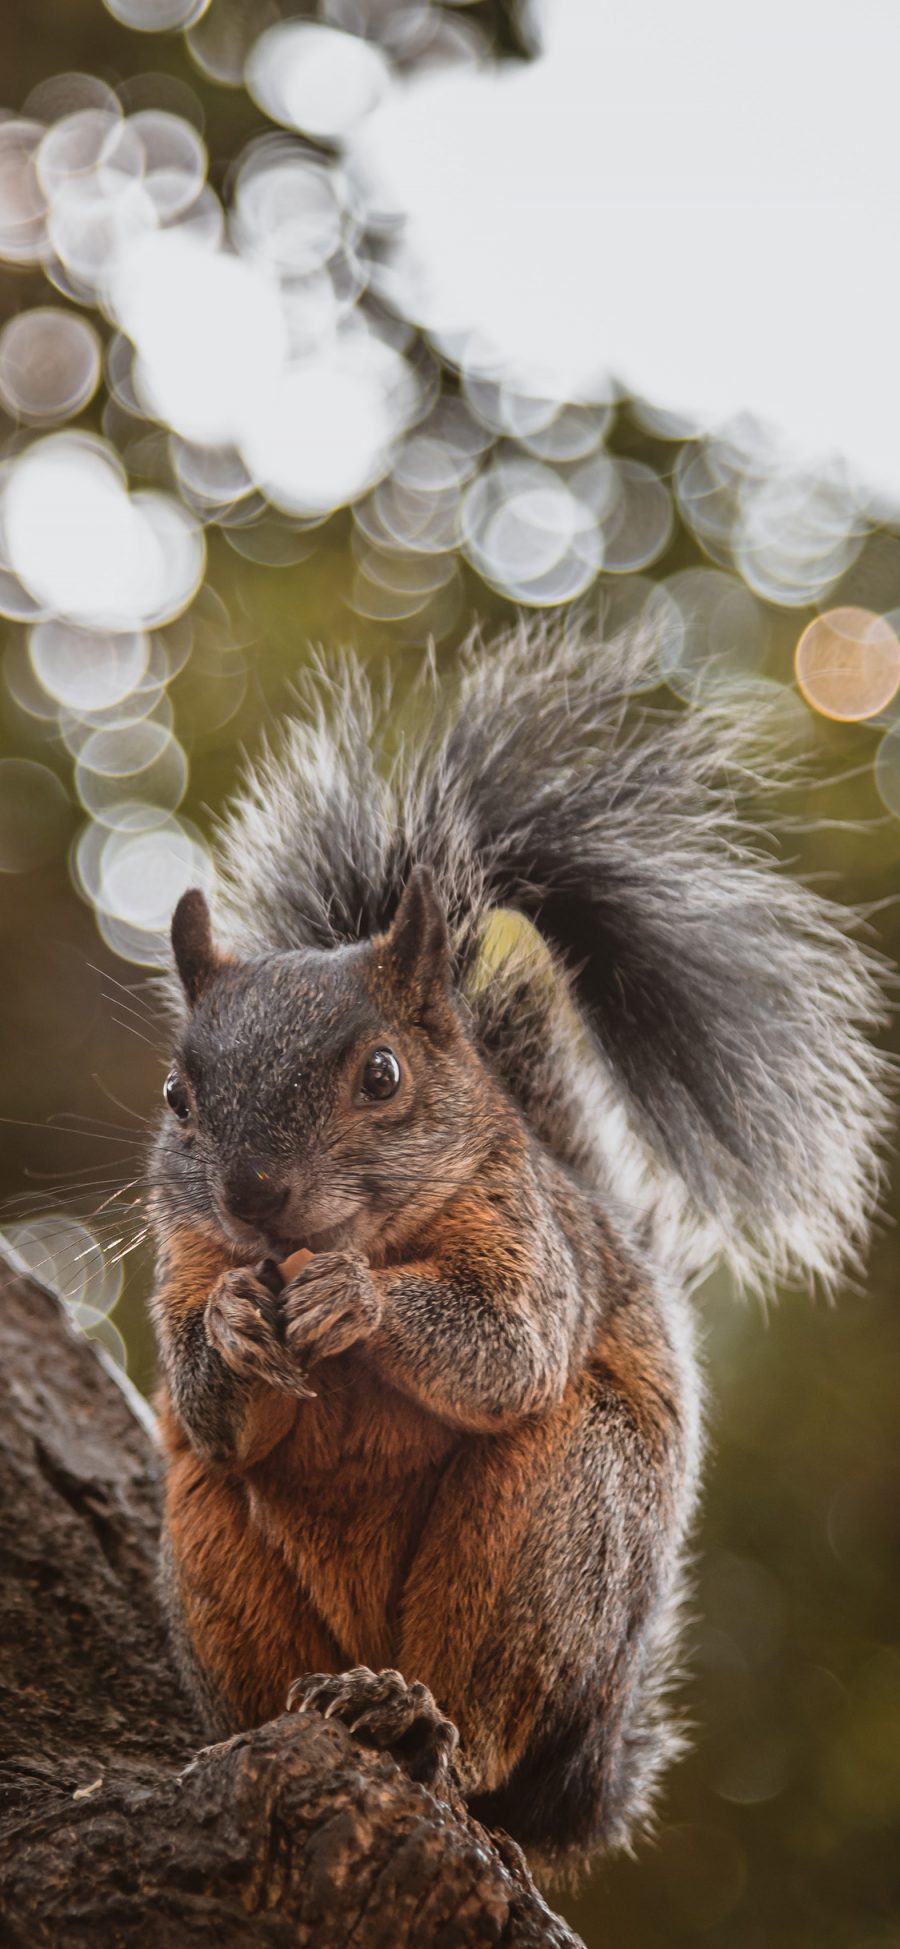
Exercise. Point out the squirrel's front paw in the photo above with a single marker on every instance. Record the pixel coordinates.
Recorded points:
(330, 1305)
(385, 1712)
(243, 1323)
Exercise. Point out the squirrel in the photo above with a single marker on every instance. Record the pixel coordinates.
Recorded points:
(432, 1189)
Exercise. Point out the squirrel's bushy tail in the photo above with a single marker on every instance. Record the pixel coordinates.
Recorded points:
(730, 1005)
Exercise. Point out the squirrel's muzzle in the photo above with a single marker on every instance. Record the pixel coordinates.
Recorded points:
(254, 1197)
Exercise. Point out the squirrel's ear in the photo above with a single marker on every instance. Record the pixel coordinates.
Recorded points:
(196, 955)
(417, 941)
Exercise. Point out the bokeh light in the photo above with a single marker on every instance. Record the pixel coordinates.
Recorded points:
(529, 535)
(324, 434)
(316, 79)
(49, 364)
(34, 814)
(208, 331)
(64, 1254)
(887, 770)
(221, 39)
(86, 549)
(133, 870)
(723, 634)
(87, 670)
(156, 16)
(22, 206)
(848, 663)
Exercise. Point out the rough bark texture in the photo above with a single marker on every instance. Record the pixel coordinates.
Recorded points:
(114, 1828)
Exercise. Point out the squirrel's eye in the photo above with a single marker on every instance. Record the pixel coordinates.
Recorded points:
(381, 1075)
(176, 1096)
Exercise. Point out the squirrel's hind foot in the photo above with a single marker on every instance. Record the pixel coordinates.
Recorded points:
(387, 1713)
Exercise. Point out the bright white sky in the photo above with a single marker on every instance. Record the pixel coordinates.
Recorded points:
(702, 198)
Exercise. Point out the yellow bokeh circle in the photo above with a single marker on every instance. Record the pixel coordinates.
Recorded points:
(847, 664)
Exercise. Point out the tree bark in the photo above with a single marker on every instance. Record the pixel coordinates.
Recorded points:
(114, 1828)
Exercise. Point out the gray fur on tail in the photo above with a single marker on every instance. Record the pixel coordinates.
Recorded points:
(729, 1007)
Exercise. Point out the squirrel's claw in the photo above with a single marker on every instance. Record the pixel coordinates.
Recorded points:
(385, 1712)
(329, 1306)
(242, 1320)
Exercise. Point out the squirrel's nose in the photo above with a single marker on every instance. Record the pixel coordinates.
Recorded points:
(253, 1196)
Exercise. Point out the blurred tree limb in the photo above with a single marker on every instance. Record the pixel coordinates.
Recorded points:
(114, 1828)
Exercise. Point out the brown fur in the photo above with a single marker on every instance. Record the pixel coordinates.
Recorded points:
(371, 1526)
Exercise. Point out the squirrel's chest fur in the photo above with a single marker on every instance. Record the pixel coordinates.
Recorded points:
(318, 1535)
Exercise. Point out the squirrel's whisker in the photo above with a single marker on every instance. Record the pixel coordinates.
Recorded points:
(133, 993)
(135, 1115)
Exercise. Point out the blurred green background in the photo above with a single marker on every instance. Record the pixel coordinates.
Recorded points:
(782, 1827)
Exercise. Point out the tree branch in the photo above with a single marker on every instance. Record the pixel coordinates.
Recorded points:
(113, 1827)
